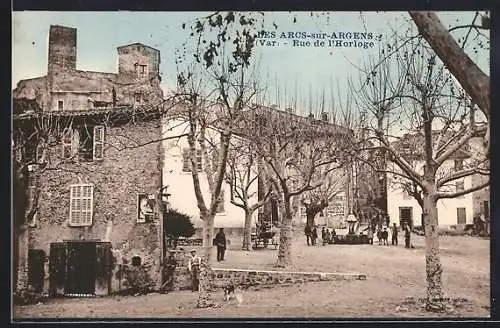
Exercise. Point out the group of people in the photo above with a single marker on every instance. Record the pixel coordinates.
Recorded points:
(193, 266)
(383, 235)
(327, 236)
(312, 235)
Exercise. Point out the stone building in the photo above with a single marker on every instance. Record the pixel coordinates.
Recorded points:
(98, 202)
(66, 88)
(87, 155)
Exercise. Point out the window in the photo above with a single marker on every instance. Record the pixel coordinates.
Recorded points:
(39, 153)
(91, 143)
(302, 210)
(459, 165)
(136, 68)
(221, 207)
(406, 195)
(461, 216)
(137, 98)
(143, 69)
(459, 186)
(81, 205)
(66, 144)
(186, 163)
(60, 105)
(136, 261)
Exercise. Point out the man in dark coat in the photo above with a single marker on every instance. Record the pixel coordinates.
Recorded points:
(385, 235)
(220, 242)
(314, 235)
(407, 235)
(394, 233)
(307, 232)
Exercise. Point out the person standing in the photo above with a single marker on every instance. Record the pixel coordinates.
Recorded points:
(220, 242)
(170, 265)
(385, 236)
(328, 236)
(194, 268)
(370, 235)
(323, 236)
(307, 232)
(314, 235)
(407, 235)
(394, 234)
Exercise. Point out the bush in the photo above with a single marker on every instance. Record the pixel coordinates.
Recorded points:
(177, 224)
(136, 280)
(27, 297)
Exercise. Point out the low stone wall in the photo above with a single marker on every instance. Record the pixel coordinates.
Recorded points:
(255, 278)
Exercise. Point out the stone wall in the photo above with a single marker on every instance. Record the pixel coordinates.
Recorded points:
(254, 278)
(117, 180)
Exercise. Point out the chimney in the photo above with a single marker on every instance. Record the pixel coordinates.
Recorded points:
(290, 110)
(311, 116)
(324, 116)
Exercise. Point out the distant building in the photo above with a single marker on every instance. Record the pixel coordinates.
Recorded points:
(451, 211)
(177, 174)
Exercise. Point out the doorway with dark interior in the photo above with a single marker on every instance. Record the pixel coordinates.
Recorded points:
(406, 216)
(81, 269)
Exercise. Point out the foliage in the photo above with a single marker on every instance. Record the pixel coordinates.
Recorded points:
(177, 224)
(136, 280)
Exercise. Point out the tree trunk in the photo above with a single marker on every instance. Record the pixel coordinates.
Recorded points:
(310, 218)
(247, 240)
(285, 247)
(475, 82)
(208, 237)
(433, 268)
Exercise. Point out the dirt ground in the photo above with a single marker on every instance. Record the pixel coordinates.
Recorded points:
(394, 287)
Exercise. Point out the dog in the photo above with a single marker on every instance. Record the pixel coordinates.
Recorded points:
(231, 292)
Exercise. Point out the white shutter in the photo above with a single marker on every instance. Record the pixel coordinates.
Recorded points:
(98, 151)
(198, 160)
(186, 165)
(81, 205)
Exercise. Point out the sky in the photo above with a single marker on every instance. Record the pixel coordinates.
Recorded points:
(302, 70)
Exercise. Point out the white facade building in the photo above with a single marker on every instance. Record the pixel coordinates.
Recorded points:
(177, 175)
(451, 211)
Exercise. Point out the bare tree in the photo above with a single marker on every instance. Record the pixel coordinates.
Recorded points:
(215, 89)
(318, 199)
(420, 114)
(243, 175)
(298, 154)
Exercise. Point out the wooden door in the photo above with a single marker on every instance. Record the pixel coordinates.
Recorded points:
(81, 268)
(57, 268)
